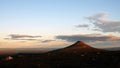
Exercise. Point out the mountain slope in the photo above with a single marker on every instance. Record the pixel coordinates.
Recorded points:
(77, 48)
(78, 55)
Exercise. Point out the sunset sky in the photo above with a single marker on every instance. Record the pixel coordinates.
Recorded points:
(59, 23)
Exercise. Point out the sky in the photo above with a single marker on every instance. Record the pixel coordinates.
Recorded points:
(59, 23)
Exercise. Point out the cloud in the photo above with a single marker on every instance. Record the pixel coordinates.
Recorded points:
(103, 24)
(87, 38)
(22, 37)
(26, 38)
(15, 36)
(46, 41)
(82, 25)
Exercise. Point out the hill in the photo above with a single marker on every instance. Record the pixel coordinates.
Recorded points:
(77, 55)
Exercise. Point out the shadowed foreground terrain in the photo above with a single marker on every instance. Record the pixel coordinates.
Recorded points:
(78, 55)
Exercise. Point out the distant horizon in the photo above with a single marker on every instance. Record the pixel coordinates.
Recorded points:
(10, 51)
(118, 48)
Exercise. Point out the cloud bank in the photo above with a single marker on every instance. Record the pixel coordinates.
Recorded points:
(22, 37)
(27, 38)
(87, 38)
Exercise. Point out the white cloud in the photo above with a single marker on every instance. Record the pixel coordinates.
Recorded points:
(104, 24)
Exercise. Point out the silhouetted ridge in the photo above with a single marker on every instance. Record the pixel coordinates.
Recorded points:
(77, 48)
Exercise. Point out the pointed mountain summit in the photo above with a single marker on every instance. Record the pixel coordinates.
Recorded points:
(77, 48)
(79, 44)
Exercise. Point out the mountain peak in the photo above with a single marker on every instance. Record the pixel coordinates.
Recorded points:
(78, 47)
(80, 44)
